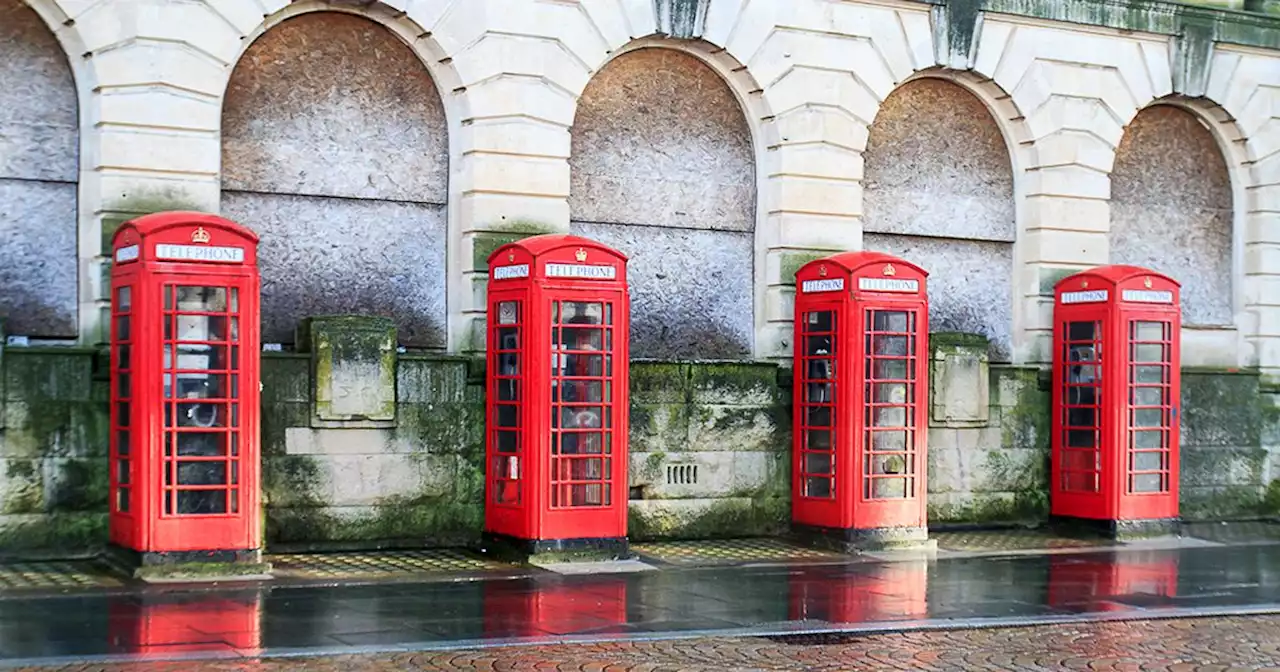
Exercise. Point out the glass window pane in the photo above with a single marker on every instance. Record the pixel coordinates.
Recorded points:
(122, 414)
(168, 297)
(818, 440)
(892, 416)
(201, 415)
(820, 321)
(201, 328)
(122, 500)
(202, 501)
(507, 441)
(892, 393)
(202, 299)
(817, 463)
(1145, 483)
(1081, 417)
(1148, 439)
(888, 488)
(578, 312)
(1080, 460)
(1149, 352)
(202, 473)
(1148, 396)
(818, 416)
(1148, 331)
(507, 415)
(1080, 438)
(818, 393)
(235, 329)
(889, 369)
(124, 299)
(1148, 417)
(889, 440)
(1149, 374)
(201, 444)
(817, 486)
(889, 345)
(234, 440)
(817, 345)
(889, 321)
(508, 338)
(122, 385)
(202, 357)
(122, 472)
(508, 390)
(1082, 331)
(821, 369)
(122, 327)
(235, 300)
(508, 312)
(122, 356)
(122, 442)
(1153, 461)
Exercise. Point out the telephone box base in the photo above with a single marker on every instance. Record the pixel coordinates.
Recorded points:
(189, 566)
(861, 540)
(556, 550)
(1118, 530)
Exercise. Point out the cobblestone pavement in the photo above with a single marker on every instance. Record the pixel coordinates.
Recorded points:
(1201, 644)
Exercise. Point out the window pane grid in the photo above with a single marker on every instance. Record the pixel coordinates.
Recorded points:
(1079, 459)
(122, 395)
(1150, 412)
(582, 381)
(818, 416)
(506, 472)
(889, 464)
(200, 369)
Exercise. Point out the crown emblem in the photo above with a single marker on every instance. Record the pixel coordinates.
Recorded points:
(822, 271)
(1084, 283)
(511, 256)
(890, 270)
(200, 235)
(580, 255)
(1146, 282)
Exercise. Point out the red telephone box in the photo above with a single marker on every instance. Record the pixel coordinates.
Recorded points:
(556, 444)
(184, 392)
(861, 378)
(1116, 385)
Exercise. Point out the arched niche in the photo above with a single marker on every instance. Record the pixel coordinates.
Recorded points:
(1171, 209)
(938, 190)
(39, 136)
(662, 168)
(335, 150)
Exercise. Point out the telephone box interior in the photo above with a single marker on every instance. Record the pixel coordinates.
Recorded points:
(557, 391)
(861, 379)
(184, 393)
(1115, 398)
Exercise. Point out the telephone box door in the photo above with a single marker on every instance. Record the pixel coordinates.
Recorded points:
(510, 470)
(1079, 400)
(584, 479)
(203, 467)
(1151, 427)
(891, 491)
(819, 423)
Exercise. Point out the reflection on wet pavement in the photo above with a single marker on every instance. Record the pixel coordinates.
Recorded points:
(797, 598)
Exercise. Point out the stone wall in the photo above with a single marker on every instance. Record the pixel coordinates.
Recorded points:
(53, 451)
(335, 151)
(38, 172)
(662, 169)
(710, 450)
(710, 445)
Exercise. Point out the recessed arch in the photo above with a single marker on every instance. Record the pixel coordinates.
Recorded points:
(664, 167)
(1172, 209)
(940, 189)
(335, 149)
(39, 178)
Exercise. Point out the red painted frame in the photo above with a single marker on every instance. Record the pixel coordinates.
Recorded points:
(1118, 298)
(854, 286)
(138, 402)
(585, 271)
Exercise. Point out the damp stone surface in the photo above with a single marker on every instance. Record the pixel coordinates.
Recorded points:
(38, 164)
(335, 152)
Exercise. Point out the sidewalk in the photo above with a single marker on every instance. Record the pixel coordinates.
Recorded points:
(411, 601)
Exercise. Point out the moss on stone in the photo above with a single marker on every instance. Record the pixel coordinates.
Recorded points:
(142, 202)
(25, 492)
(72, 533)
(790, 263)
(484, 243)
(760, 513)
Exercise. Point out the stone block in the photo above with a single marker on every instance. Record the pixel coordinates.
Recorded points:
(657, 428)
(430, 381)
(732, 428)
(354, 370)
(959, 386)
(734, 384)
(22, 488)
(659, 382)
(285, 379)
(689, 475)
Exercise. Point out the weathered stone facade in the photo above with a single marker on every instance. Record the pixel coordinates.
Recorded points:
(384, 149)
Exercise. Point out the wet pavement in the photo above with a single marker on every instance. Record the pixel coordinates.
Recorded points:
(741, 601)
(1169, 645)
